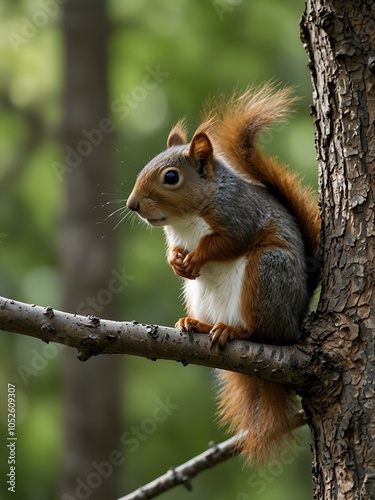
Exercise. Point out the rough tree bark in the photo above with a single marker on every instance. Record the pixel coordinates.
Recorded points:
(339, 37)
(92, 394)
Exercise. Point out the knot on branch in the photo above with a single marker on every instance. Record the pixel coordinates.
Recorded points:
(90, 346)
(337, 351)
(180, 478)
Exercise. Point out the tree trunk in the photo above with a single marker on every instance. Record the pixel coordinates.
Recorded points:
(92, 398)
(339, 36)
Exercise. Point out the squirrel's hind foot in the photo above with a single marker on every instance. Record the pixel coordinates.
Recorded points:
(193, 325)
(221, 333)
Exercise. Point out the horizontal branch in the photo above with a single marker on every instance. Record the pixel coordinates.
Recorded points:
(93, 336)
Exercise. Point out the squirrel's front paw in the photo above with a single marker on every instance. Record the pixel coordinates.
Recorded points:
(191, 265)
(184, 264)
(176, 261)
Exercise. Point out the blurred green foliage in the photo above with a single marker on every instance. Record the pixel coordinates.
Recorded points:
(165, 59)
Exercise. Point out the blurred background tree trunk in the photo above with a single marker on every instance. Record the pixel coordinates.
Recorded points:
(92, 394)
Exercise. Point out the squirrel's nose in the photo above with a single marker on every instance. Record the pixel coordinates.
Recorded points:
(132, 204)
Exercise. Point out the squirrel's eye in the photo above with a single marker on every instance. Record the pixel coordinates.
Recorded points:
(171, 177)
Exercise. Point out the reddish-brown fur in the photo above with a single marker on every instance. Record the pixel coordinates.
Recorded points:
(268, 411)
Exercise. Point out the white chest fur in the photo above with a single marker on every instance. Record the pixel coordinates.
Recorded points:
(187, 233)
(216, 295)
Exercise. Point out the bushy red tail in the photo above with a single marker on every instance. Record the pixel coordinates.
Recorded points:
(234, 126)
(266, 410)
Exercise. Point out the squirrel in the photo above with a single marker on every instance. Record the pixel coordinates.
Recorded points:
(244, 234)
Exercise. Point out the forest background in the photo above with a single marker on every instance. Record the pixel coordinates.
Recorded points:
(165, 59)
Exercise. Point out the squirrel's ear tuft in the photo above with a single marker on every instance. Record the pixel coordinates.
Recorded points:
(178, 134)
(200, 149)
